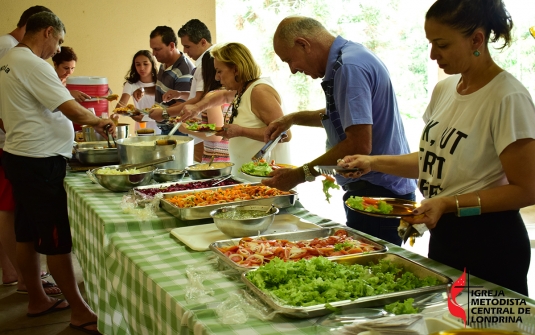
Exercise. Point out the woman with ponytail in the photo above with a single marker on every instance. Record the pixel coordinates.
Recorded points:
(476, 163)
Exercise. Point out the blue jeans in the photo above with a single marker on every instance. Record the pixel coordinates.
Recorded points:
(386, 229)
(166, 129)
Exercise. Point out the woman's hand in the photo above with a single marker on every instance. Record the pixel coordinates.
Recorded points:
(230, 131)
(138, 94)
(429, 212)
(79, 96)
(362, 162)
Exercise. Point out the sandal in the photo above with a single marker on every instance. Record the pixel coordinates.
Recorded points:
(83, 328)
(46, 284)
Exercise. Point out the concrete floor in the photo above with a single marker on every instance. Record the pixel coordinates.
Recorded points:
(13, 319)
(13, 308)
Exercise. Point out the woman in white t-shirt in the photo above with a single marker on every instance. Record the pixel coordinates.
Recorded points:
(476, 163)
(142, 74)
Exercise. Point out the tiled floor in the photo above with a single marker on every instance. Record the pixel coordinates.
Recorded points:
(13, 320)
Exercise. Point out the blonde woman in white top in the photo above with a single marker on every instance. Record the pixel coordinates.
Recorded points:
(254, 104)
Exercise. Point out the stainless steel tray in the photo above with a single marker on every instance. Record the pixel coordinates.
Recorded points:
(303, 235)
(164, 185)
(196, 213)
(87, 153)
(372, 301)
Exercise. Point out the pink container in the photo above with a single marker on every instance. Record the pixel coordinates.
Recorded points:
(92, 86)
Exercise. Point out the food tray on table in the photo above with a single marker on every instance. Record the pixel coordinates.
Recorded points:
(96, 153)
(380, 300)
(139, 191)
(203, 212)
(200, 237)
(315, 235)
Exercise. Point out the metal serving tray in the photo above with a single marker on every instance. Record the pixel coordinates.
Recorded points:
(203, 212)
(86, 153)
(303, 235)
(163, 185)
(372, 301)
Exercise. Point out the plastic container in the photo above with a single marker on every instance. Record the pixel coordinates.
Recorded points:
(94, 87)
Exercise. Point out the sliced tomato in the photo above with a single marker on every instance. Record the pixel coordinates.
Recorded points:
(370, 201)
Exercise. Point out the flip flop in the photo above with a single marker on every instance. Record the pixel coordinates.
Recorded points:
(54, 308)
(83, 328)
(46, 284)
(45, 275)
(11, 283)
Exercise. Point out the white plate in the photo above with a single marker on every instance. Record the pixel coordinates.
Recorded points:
(200, 237)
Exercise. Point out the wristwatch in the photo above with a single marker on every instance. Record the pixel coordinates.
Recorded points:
(165, 115)
(308, 176)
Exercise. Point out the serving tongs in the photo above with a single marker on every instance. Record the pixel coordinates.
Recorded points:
(107, 131)
(145, 164)
(266, 149)
(333, 169)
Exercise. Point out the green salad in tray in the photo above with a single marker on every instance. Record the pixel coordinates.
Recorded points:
(260, 169)
(369, 205)
(320, 281)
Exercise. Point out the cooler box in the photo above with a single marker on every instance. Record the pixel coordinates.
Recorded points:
(94, 87)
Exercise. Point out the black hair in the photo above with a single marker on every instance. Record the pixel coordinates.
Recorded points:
(66, 55)
(167, 34)
(469, 15)
(29, 12)
(208, 74)
(196, 31)
(132, 76)
(43, 20)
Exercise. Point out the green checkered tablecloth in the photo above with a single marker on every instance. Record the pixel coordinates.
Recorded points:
(135, 272)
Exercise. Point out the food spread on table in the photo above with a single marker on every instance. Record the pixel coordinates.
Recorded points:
(370, 205)
(185, 186)
(241, 214)
(220, 196)
(252, 252)
(106, 170)
(320, 281)
(207, 166)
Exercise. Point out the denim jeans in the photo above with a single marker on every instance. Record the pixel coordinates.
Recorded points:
(386, 229)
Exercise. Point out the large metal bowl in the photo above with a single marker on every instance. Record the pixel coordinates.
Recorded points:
(202, 171)
(165, 175)
(123, 182)
(141, 149)
(244, 227)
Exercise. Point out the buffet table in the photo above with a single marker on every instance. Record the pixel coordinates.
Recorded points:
(135, 272)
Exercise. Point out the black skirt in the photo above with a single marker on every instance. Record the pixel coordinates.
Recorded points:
(492, 246)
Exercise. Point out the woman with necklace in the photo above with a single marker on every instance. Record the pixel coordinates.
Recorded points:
(254, 103)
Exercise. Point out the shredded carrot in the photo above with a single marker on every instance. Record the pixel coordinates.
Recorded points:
(219, 196)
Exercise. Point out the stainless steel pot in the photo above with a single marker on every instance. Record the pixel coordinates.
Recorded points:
(94, 153)
(142, 149)
(90, 135)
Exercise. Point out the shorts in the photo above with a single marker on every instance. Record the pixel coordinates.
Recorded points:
(7, 203)
(40, 202)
